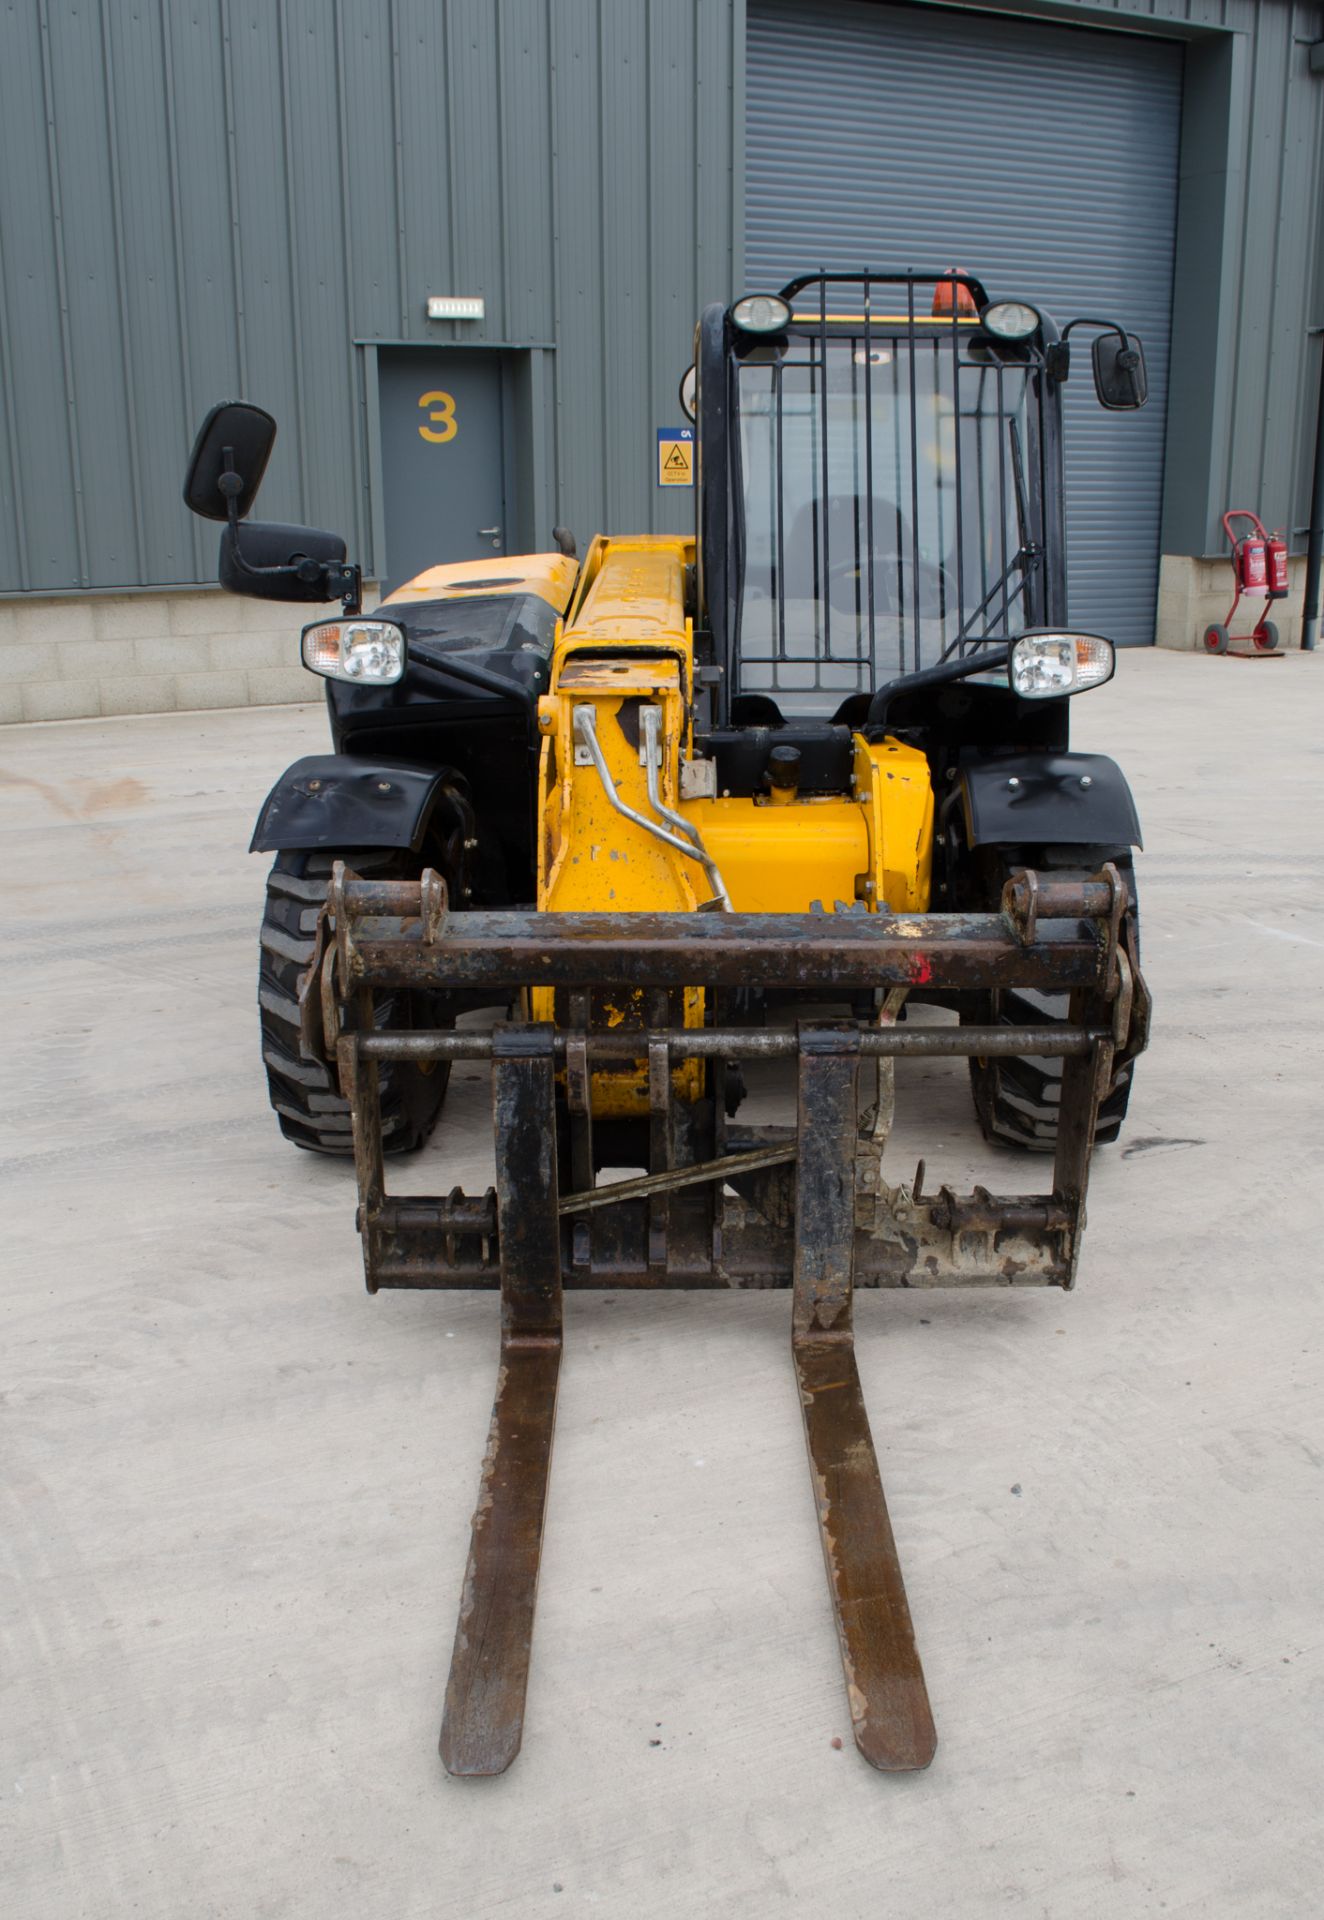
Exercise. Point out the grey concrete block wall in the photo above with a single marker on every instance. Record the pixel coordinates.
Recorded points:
(76, 658)
(1195, 593)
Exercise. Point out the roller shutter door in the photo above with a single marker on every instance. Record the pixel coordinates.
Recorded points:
(1041, 158)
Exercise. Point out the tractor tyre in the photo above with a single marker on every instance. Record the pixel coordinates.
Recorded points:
(303, 1092)
(1017, 1097)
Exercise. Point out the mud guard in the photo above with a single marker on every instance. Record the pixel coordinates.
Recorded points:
(331, 800)
(1048, 800)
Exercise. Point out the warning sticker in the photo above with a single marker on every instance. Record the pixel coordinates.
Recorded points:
(675, 456)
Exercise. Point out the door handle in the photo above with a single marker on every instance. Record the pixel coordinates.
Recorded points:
(490, 533)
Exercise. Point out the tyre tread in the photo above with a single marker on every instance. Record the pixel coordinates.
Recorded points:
(307, 1104)
(1017, 1097)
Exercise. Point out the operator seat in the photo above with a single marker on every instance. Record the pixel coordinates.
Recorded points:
(847, 543)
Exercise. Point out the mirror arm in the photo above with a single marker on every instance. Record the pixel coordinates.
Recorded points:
(940, 676)
(1104, 326)
(231, 486)
(1059, 353)
(339, 582)
(1127, 359)
(1119, 372)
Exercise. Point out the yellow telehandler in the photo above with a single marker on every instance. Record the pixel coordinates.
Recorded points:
(701, 801)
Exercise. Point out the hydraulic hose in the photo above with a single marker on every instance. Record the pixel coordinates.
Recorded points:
(586, 734)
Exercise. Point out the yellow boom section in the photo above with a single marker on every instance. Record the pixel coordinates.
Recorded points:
(627, 649)
(620, 835)
(628, 645)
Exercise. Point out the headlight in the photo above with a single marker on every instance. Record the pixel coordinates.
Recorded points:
(1042, 665)
(761, 313)
(368, 653)
(689, 393)
(1010, 319)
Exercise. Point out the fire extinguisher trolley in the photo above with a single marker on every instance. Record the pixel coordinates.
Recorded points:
(1259, 571)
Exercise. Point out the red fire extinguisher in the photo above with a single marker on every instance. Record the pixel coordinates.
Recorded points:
(1250, 554)
(1259, 571)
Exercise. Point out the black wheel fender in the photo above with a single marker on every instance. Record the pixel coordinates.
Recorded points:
(1047, 800)
(332, 800)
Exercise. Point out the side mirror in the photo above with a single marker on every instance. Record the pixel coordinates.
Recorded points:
(228, 460)
(271, 562)
(266, 562)
(1120, 379)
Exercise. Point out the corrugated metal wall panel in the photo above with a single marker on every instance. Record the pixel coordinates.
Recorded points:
(94, 333)
(673, 308)
(41, 546)
(264, 241)
(310, 159)
(580, 316)
(155, 344)
(1042, 158)
(623, 259)
(1265, 449)
(475, 111)
(1271, 427)
(526, 173)
(233, 192)
(1295, 367)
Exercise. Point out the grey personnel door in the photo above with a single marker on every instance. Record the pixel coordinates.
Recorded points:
(443, 457)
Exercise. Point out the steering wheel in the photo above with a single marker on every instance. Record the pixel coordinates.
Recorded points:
(846, 577)
(848, 583)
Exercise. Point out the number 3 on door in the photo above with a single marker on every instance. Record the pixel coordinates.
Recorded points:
(444, 424)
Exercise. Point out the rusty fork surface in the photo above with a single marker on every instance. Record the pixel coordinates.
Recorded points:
(889, 1703)
(483, 1722)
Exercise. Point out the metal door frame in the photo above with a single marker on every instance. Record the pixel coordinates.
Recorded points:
(526, 376)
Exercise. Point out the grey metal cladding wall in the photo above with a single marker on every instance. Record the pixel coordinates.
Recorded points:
(645, 151)
(1040, 157)
(202, 198)
(1270, 441)
(1272, 149)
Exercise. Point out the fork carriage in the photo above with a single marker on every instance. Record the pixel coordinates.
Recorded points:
(721, 1205)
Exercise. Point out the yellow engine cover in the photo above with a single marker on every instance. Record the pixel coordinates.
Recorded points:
(874, 844)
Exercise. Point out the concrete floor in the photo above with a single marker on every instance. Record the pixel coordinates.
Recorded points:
(237, 1491)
